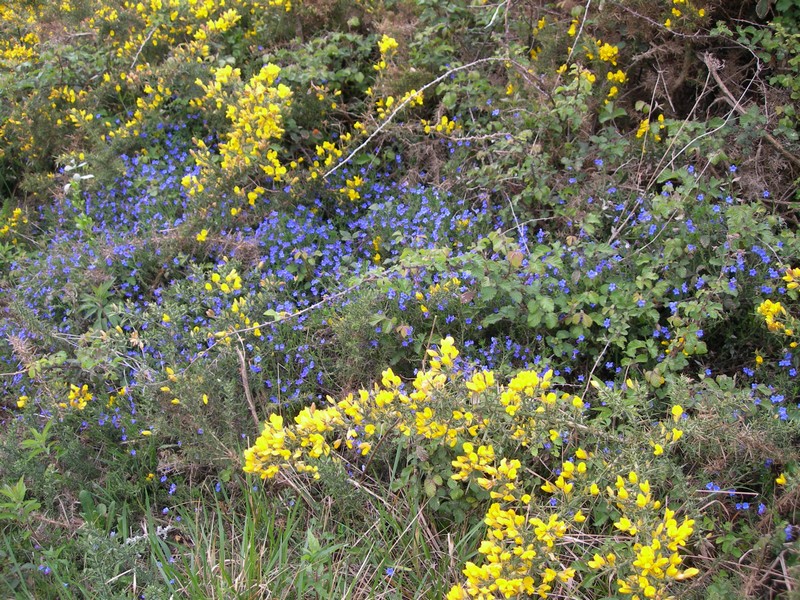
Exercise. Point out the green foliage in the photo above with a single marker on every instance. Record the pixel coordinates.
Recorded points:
(222, 222)
(16, 510)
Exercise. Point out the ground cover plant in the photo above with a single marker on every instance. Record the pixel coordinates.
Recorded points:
(399, 299)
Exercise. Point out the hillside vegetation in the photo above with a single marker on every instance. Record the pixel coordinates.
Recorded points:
(399, 299)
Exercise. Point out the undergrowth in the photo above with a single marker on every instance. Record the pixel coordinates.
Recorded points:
(399, 299)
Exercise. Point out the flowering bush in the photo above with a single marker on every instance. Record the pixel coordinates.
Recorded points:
(585, 502)
(313, 290)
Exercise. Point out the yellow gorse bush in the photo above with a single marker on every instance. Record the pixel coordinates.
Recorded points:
(525, 550)
(255, 111)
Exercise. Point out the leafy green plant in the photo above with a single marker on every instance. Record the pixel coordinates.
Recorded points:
(15, 510)
(97, 306)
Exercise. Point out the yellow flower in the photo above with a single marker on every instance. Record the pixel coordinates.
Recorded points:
(201, 237)
(644, 127)
(617, 77)
(687, 574)
(597, 562)
(387, 44)
(22, 401)
(781, 479)
(677, 411)
(456, 593)
(481, 381)
(608, 53)
(572, 29)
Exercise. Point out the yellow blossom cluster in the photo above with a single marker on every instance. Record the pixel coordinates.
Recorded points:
(521, 553)
(516, 554)
(682, 9)
(413, 97)
(473, 459)
(239, 309)
(383, 106)
(647, 127)
(13, 221)
(351, 187)
(285, 4)
(78, 397)
(518, 550)
(444, 126)
(353, 421)
(65, 93)
(21, 37)
(255, 111)
(154, 93)
(230, 283)
(772, 312)
(608, 55)
(387, 46)
(20, 50)
(657, 560)
(438, 293)
(604, 51)
(792, 278)
(328, 154)
(113, 398)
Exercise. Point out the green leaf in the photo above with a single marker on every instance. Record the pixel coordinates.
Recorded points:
(534, 314)
(609, 112)
(312, 543)
(492, 319)
(551, 320)
(430, 487)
